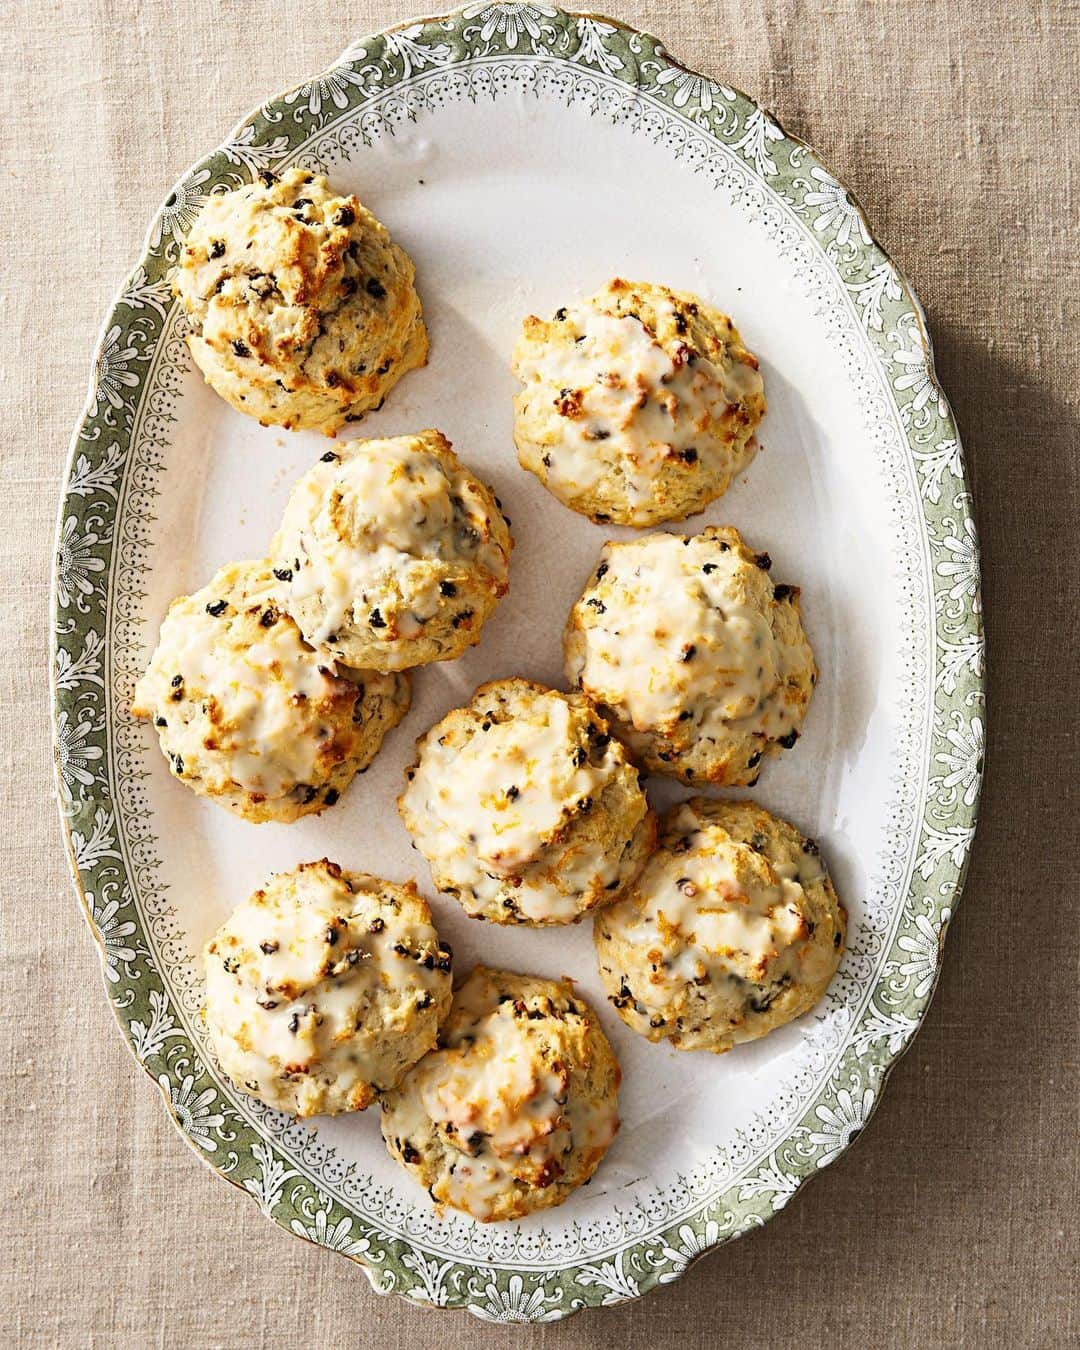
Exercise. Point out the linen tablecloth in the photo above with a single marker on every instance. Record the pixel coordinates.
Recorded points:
(953, 1220)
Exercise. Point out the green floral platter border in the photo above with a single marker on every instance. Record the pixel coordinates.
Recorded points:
(619, 75)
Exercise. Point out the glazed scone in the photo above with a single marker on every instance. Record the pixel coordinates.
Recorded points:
(698, 660)
(248, 714)
(516, 1107)
(526, 808)
(392, 553)
(639, 404)
(324, 987)
(732, 929)
(302, 310)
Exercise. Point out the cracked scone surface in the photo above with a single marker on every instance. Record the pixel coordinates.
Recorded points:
(639, 404)
(526, 808)
(392, 553)
(303, 311)
(732, 929)
(324, 987)
(248, 714)
(694, 654)
(517, 1106)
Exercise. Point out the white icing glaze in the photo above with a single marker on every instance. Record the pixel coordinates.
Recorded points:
(497, 1086)
(505, 1109)
(300, 1019)
(262, 690)
(509, 803)
(625, 403)
(268, 757)
(673, 639)
(731, 929)
(359, 522)
(711, 917)
(510, 788)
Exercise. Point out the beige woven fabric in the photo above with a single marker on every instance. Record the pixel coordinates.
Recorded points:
(954, 1220)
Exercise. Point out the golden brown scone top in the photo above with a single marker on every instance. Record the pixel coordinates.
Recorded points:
(303, 310)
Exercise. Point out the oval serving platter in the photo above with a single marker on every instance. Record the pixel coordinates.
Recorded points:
(523, 155)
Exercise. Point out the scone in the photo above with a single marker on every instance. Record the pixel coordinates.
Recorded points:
(392, 553)
(639, 404)
(526, 808)
(324, 987)
(732, 929)
(696, 657)
(516, 1107)
(248, 714)
(303, 310)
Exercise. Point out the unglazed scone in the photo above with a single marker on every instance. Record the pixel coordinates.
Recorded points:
(732, 930)
(516, 1107)
(324, 987)
(392, 553)
(639, 404)
(303, 310)
(251, 716)
(526, 808)
(696, 657)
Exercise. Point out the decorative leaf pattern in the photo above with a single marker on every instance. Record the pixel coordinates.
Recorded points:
(488, 51)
